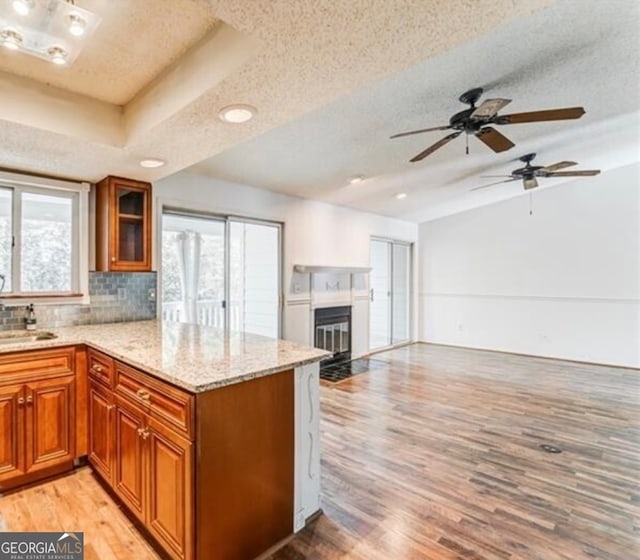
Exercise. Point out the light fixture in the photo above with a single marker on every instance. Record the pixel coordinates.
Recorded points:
(22, 7)
(356, 179)
(152, 162)
(237, 114)
(77, 25)
(11, 39)
(52, 30)
(401, 195)
(58, 55)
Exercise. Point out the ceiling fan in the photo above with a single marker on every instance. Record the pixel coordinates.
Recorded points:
(476, 121)
(529, 173)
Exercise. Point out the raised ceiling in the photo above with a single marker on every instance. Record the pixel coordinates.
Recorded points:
(331, 80)
(134, 42)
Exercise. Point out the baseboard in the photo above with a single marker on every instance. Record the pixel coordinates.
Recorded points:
(539, 356)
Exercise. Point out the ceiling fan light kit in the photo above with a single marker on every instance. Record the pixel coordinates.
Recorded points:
(53, 30)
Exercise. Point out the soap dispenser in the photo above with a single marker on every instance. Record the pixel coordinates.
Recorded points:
(30, 319)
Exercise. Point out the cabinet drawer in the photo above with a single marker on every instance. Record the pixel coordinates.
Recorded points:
(162, 401)
(100, 367)
(37, 364)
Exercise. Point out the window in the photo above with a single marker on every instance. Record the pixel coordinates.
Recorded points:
(221, 271)
(41, 250)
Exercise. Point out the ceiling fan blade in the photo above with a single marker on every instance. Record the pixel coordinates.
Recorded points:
(583, 173)
(495, 140)
(493, 176)
(559, 165)
(435, 146)
(531, 183)
(537, 116)
(446, 127)
(494, 184)
(489, 108)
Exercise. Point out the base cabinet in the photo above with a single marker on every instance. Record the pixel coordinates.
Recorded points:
(307, 457)
(12, 459)
(101, 430)
(152, 466)
(50, 422)
(37, 423)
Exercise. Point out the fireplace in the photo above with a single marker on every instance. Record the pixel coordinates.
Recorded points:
(332, 332)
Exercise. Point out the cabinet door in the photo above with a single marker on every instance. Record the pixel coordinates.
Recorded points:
(12, 430)
(101, 433)
(131, 225)
(50, 414)
(170, 466)
(129, 457)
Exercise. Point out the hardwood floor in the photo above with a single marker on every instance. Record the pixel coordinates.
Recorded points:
(436, 456)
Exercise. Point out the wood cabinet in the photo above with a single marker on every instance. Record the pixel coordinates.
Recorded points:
(123, 225)
(101, 409)
(12, 459)
(37, 414)
(150, 465)
(50, 422)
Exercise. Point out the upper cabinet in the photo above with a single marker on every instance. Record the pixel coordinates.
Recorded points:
(123, 225)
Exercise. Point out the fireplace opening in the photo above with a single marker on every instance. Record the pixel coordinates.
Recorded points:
(332, 332)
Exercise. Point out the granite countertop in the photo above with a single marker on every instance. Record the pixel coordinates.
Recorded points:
(190, 356)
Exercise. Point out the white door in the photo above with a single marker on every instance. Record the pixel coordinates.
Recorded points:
(390, 293)
(380, 295)
(254, 278)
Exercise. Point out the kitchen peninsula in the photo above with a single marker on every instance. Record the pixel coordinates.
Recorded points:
(209, 439)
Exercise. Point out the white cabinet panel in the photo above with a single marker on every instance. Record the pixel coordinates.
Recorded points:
(307, 453)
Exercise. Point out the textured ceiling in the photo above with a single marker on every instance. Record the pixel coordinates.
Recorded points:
(331, 81)
(572, 53)
(134, 42)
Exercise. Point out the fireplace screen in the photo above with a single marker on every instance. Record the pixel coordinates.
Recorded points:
(332, 329)
(334, 338)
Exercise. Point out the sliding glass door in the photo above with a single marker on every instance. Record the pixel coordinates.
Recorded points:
(221, 272)
(390, 293)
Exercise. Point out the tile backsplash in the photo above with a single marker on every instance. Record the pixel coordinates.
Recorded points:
(115, 297)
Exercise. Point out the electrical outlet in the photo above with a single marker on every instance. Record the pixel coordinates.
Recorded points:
(152, 294)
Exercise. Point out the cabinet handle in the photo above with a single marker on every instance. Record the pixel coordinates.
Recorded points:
(111, 407)
(143, 395)
(113, 259)
(310, 391)
(30, 399)
(143, 433)
(20, 401)
(97, 368)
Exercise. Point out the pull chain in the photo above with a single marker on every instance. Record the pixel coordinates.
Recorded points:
(530, 204)
(466, 137)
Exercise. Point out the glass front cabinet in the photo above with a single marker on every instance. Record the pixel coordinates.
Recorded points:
(123, 225)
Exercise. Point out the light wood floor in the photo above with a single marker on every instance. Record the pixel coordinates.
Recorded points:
(435, 455)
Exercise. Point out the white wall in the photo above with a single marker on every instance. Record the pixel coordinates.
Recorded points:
(563, 282)
(315, 233)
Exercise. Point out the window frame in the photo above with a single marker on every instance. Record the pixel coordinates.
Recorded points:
(78, 192)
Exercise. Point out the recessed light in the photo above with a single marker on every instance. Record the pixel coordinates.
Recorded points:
(21, 7)
(152, 162)
(11, 39)
(77, 25)
(356, 179)
(237, 114)
(401, 195)
(58, 55)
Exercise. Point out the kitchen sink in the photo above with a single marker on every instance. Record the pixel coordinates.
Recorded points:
(14, 337)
